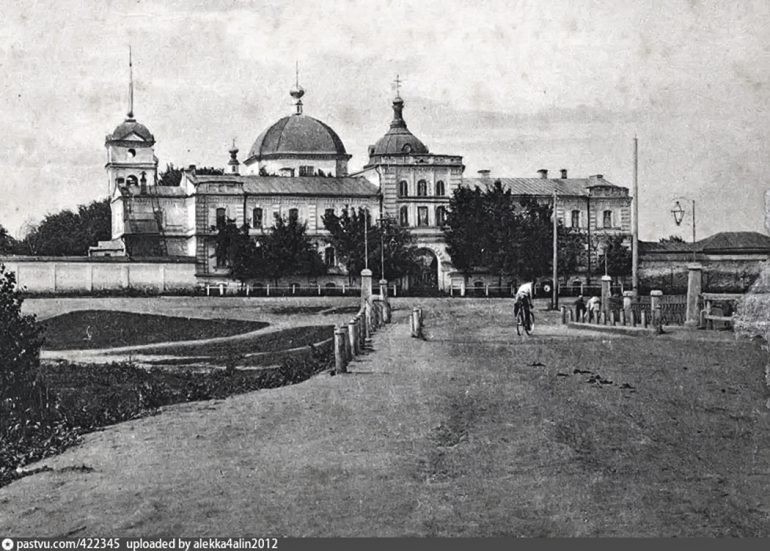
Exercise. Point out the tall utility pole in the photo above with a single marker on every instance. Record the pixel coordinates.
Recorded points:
(693, 230)
(366, 238)
(555, 279)
(635, 214)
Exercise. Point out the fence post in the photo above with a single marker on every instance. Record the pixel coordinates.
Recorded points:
(694, 289)
(655, 309)
(208, 290)
(623, 318)
(486, 289)
(352, 338)
(267, 289)
(612, 317)
(343, 288)
(221, 289)
(248, 289)
(602, 318)
(339, 350)
(643, 321)
(564, 315)
(319, 289)
(346, 343)
(606, 280)
(417, 322)
(633, 317)
(462, 288)
(451, 288)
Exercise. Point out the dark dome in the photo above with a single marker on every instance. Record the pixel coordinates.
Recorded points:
(128, 127)
(297, 135)
(398, 140)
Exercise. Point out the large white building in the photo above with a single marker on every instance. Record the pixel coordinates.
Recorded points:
(298, 166)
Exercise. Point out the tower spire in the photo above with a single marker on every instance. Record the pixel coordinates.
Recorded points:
(297, 92)
(130, 85)
(398, 106)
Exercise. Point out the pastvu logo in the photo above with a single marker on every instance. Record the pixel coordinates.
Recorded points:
(7, 544)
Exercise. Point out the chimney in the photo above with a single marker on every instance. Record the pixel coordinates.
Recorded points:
(484, 174)
(543, 172)
(596, 177)
(563, 173)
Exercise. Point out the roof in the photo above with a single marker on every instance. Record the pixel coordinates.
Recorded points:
(128, 127)
(296, 135)
(152, 190)
(398, 140)
(543, 186)
(722, 242)
(294, 185)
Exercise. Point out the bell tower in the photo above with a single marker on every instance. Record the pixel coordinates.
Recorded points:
(131, 161)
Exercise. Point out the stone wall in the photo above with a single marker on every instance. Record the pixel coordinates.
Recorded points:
(96, 274)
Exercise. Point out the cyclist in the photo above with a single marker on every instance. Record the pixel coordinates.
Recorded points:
(523, 300)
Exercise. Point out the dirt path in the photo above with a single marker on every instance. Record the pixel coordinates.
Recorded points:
(471, 432)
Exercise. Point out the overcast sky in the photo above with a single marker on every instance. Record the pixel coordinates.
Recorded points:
(510, 86)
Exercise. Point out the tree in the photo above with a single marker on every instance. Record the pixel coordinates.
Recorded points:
(209, 171)
(465, 229)
(347, 233)
(572, 252)
(617, 257)
(69, 233)
(20, 341)
(671, 239)
(286, 250)
(172, 176)
(7, 242)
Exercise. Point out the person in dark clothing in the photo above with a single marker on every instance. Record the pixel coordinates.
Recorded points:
(580, 307)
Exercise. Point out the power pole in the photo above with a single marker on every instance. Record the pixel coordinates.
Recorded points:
(635, 227)
(555, 294)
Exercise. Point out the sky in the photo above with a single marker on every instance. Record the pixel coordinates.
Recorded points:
(512, 86)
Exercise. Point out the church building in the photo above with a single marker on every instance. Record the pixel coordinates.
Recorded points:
(298, 167)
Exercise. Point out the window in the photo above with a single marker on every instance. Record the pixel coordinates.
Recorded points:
(404, 216)
(293, 214)
(132, 153)
(422, 188)
(256, 218)
(440, 216)
(403, 189)
(132, 181)
(575, 219)
(422, 216)
(607, 218)
(221, 217)
(329, 257)
(305, 170)
(328, 213)
(440, 188)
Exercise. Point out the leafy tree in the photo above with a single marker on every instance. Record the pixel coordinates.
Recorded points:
(347, 233)
(7, 242)
(465, 229)
(616, 256)
(69, 233)
(286, 250)
(572, 252)
(172, 176)
(20, 341)
(671, 239)
(209, 171)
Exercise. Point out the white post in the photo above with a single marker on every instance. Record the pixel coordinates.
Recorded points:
(366, 285)
(319, 289)
(221, 289)
(694, 287)
(267, 289)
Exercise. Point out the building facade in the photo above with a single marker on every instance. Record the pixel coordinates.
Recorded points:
(298, 166)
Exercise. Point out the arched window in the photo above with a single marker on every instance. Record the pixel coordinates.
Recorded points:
(404, 216)
(607, 219)
(221, 217)
(440, 188)
(422, 216)
(329, 259)
(293, 214)
(132, 180)
(403, 189)
(440, 216)
(256, 218)
(575, 218)
(422, 188)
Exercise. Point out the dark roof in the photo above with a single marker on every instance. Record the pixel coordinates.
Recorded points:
(297, 134)
(128, 127)
(398, 140)
(294, 185)
(722, 242)
(542, 186)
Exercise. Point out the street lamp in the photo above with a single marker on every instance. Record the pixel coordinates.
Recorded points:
(679, 212)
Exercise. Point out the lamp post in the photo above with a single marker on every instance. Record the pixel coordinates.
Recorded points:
(678, 211)
(366, 238)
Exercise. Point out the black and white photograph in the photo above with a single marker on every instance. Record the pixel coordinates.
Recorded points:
(436, 271)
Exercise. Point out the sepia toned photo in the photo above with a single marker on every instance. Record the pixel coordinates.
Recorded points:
(283, 271)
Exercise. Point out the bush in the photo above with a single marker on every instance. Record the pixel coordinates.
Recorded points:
(22, 396)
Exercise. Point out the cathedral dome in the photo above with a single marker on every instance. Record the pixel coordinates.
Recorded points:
(398, 140)
(297, 136)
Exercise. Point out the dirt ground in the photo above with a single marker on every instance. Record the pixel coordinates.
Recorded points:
(470, 432)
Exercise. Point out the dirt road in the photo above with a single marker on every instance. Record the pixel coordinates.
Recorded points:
(471, 432)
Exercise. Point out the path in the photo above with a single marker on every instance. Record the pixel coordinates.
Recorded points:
(471, 432)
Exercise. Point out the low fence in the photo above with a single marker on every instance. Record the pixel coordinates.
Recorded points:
(633, 311)
(350, 339)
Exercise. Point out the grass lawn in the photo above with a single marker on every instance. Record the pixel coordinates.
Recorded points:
(84, 329)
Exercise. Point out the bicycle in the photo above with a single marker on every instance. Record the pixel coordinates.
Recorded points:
(527, 324)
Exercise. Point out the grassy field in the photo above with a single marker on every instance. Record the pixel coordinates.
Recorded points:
(84, 329)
